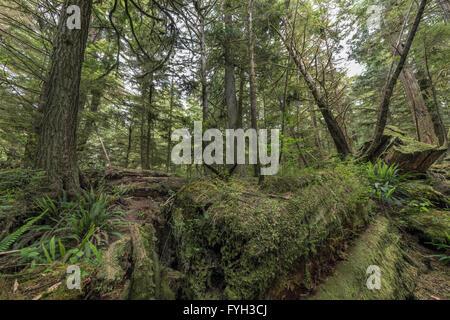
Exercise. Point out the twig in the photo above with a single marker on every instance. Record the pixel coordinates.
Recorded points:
(9, 252)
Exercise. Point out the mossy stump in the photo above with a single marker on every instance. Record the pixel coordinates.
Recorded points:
(410, 155)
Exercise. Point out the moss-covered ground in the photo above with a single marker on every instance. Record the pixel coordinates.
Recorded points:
(309, 236)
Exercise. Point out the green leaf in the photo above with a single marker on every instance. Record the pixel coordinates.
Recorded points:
(47, 255)
(53, 248)
(62, 249)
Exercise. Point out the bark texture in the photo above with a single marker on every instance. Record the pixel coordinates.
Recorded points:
(56, 152)
(422, 118)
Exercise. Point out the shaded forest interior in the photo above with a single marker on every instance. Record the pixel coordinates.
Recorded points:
(91, 93)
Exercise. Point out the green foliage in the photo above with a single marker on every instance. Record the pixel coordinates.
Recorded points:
(444, 257)
(385, 182)
(10, 239)
(71, 230)
(93, 213)
(234, 241)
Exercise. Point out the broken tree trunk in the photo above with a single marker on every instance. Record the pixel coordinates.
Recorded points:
(388, 91)
(410, 155)
(422, 118)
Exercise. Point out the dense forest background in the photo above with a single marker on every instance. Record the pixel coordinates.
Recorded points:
(150, 68)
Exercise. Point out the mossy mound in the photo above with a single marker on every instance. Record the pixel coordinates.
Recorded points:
(380, 245)
(422, 192)
(18, 189)
(131, 269)
(44, 284)
(233, 241)
(429, 224)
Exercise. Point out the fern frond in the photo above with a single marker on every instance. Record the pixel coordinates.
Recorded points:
(10, 239)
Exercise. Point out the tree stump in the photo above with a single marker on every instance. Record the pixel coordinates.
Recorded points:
(410, 155)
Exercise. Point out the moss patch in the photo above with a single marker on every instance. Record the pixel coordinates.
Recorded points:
(44, 284)
(131, 269)
(420, 191)
(235, 241)
(381, 245)
(431, 225)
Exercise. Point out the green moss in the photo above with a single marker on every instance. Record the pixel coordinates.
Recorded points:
(146, 273)
(45, 284)
(431, 225)
(422, 192)
(19, 189)
(116, 262)
(407, 145)
(381, 246)
(235, 242)
(131, 269)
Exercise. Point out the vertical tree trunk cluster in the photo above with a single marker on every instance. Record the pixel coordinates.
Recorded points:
(419, 110)
(147, 119)
(251, 52)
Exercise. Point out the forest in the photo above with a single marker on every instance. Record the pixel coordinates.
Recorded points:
(121, 179)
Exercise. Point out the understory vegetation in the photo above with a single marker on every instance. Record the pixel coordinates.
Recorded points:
(97, 98)
(226, 240)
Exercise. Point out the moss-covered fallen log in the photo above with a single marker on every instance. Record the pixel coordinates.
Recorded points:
(381, 245)
(234, 242)
(131, 269)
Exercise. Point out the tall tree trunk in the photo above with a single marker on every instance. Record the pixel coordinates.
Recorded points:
(284, 107)
(431, 98)
(97, 93)
(251, 52)
(332, 125)
(203, 71)
(301, 157)
(169, 133)
(383, 109)
(419, 111)
(56, 152)
(130, 141)
(312, 113)
(341, 107)
(142, 137)
(146, 124)
(230, 82)
(240, 101)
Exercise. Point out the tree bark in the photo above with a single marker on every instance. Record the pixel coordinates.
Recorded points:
(383, 109)
(312, 113)
(203, 71)
(419, 111)
(169, 133)
(56, 152)
(251, 52)
(431, 98)
(97, 93)
(130, 141)
(230, 82)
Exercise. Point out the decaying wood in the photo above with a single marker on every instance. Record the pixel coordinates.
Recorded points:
(408, 154)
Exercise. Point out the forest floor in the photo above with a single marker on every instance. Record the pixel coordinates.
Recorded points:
(148, 193)
(152, 199)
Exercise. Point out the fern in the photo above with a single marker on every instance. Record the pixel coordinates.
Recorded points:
(10, 239)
